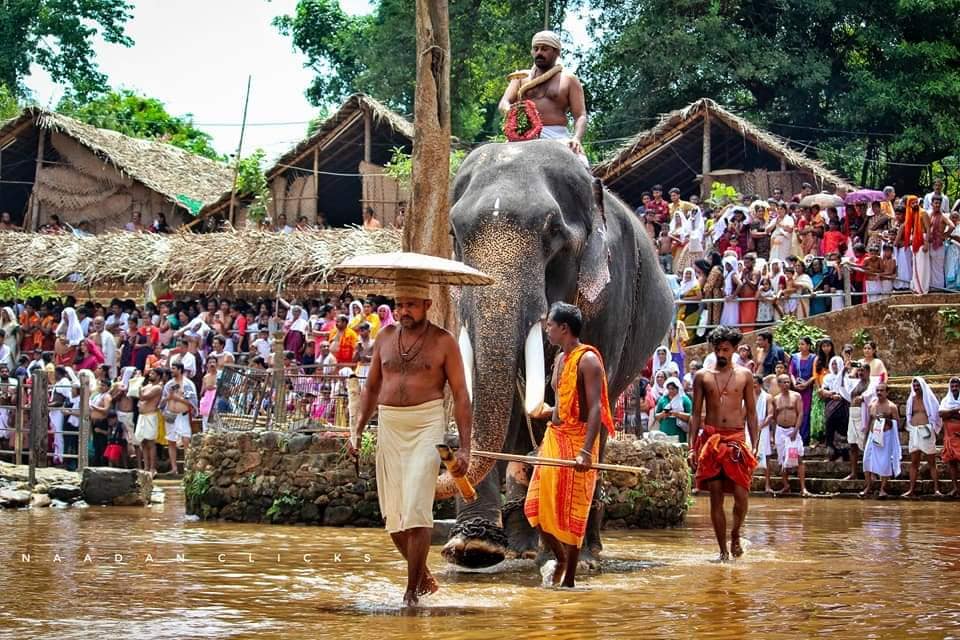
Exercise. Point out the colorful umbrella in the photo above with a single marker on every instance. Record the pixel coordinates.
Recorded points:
(864, 195)
(823, 200)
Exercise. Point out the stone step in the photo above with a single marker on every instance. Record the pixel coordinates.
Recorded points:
(830, 486)
(827, 470)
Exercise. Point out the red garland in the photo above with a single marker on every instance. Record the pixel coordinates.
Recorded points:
(523, 122)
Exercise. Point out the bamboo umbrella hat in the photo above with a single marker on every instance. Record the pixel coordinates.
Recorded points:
(413, 271)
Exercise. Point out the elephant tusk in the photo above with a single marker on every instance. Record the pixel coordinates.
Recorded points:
(466, 352)
(535, 375)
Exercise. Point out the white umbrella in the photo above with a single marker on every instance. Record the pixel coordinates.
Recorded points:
(416, 266)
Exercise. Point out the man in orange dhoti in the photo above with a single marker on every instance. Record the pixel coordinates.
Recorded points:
(720, 456)
(558, 499)
(950, 414)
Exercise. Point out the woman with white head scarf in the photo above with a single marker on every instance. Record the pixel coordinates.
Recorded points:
(69, 327)
(923, 425)
(660, 359)
(731, 282)
(673, 410)
(659, 385)
(11, 330)
(836, 410)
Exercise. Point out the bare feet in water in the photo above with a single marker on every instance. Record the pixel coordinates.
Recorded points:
(724, 557)
(735, 549)
(428, 584)
(410, 599)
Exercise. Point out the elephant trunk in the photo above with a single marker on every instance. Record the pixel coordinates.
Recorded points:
(500, 322)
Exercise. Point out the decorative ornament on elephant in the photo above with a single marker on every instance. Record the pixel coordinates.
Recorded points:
(533, 217)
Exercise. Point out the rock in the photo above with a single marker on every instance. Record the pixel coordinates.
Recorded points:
(248, 462)
(14, 499)
(119, 487)
(299, 443)
(59, 504)
(158, 496)
(270, 440)
(80, 504)
(337, 516)
(215, 497)
(64, 492)
(40, 500)
(441, 531)
(309, 512)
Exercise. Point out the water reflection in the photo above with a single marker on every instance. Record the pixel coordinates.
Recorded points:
(820, 567)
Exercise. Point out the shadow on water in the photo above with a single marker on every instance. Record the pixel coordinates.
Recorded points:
(420, 611)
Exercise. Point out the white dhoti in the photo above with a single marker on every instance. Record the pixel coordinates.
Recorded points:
(559, 133)
(408, 463)
(126, 419)
(784, 444)
(920, 282)
(56, 423)
(856, 434)
(764, 450)
(5, 424)
(922, 438)
(881, 456)
(938, 267)
(886, 287)
(874, 290)
(904, 268)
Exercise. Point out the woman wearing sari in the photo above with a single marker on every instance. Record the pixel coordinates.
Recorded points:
(821, 367)
(818, 275)
(836, 410)
(689, 313)
(801, 371)
(712, 287)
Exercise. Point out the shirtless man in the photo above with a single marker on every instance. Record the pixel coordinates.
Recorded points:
(148, 423)
(554, 98)
(99, 408)
(923, 425)
(881, 459)
(411, 363)
(788, 416)
(719, 454)
(860, 396)
(873, 266)
(888, 270)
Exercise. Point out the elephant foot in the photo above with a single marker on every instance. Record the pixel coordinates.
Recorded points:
(475, 543)
(522, 539)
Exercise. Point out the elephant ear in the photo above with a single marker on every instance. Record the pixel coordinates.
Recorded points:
(595, 258)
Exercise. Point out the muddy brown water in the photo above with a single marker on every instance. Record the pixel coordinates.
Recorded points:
(840, 568)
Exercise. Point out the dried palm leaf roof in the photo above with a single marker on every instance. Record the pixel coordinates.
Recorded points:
(168, 170)
(621, 160)
(211, 261)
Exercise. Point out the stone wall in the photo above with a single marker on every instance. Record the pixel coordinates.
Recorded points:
(279, 478)
(910, 337)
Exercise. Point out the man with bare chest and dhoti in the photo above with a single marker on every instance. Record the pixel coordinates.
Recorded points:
(410, 365)
(553, 91)
(720, 455)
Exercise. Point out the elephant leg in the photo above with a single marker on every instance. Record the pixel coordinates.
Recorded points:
(477, 539)
(522, 539)
(592, 545)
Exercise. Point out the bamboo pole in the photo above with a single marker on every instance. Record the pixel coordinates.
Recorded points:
(35, 209)
(236, 164)
(556, 462)
(367, 135)
(316, 184)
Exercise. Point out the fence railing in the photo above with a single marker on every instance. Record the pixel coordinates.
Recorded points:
(303, 399)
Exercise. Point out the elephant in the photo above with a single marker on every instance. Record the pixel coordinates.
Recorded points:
(531, 215)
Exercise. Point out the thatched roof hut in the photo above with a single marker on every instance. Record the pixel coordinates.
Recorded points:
(690, 148)
(244, 261)
(51, 164)
(338, 169)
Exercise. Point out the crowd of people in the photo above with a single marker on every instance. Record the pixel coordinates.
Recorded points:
(752, 262)
(815, 395)
(153, 369)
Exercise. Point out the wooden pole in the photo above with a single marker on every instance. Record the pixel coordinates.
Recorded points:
(557, 462)
(39, 423)
(546, 15)
(35, 211)
(707, 151)
(83, 448)
(426, 228)
(236, 163)
(316, 183)
(367, 135)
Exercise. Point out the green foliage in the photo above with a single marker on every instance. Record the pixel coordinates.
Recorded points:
(196, 485)
(58, 35)
(951, 322)
(368, 447)
(31, 288)
(9, 107)
(860, 338)
(252, 181)
(722, 194)
(139, 117)
(790, 330)
(885, 66)
(283, 506)
(400, 167)
(376, 53)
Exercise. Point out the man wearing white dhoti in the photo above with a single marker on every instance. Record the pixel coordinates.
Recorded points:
(410, 365)
(923, 425)
(882, 454)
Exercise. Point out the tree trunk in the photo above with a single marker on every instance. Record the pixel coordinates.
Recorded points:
(426, 227)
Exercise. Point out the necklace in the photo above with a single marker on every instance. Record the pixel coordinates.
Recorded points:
(723, 392)
(405, 353)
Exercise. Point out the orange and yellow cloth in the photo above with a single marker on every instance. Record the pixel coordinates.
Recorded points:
(724, 455)
(558, 499)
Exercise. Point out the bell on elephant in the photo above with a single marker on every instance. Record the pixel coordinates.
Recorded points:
(528, 215)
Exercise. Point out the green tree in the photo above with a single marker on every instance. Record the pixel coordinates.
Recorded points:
(375, 53)
(9, 107)
(58, 35)
(822, 71)
(139, 117)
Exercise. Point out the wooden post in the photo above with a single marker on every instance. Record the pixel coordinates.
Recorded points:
(18, 423)
(83, 444)
(236, 163)
(426, 228)
(707, 151)
(316, 183)
(280, 388)
(35, 209)
(847, 288)
(367, 135)
(39, 423)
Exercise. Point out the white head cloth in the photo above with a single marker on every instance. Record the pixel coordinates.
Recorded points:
(930, 404)
(546, 38)
(74, 330)
(950, 402)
